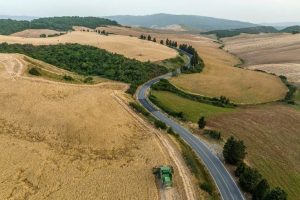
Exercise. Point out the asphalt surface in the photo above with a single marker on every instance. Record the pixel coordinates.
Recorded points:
(225, 183)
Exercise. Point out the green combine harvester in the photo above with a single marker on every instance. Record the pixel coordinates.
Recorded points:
(165, 174)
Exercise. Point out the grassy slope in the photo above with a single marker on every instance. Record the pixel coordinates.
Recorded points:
(174, 63)
(271, 134)
(192, 110)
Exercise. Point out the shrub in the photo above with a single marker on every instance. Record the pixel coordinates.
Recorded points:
(34, 71)
(276, 194)
(68, 78)
(201, 122)
(132, 89)
(249, 179)
(213, 134)
(138, 108)
(88, 80)
(234, 151)
(159, 124)
(207, 187)
(43, 36)
(240, 169)
(261, 190)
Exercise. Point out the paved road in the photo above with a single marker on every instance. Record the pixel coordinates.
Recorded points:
(226, 185)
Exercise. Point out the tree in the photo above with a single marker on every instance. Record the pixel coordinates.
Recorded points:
(276, 194)
(149, 37)
(240, 169)
(154, 39)
(162, 42)
(142, 37)
(234, 151)
(167, 42)
(43, 35)
(201, 122)
(261, 190)
(249, 179)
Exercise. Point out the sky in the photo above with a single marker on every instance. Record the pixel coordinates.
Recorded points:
(257, 11)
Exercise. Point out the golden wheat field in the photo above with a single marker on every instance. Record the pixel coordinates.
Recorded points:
(35, 33)
(64, 141)
(219, 76)
(130, 47)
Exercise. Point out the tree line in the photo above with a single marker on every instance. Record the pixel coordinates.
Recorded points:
(250, 179)
(88, 60)
(8, 26)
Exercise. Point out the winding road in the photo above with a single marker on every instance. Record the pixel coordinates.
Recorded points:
(225, 183)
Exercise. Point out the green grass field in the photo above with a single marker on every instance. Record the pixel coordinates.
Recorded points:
(174, 63)
(192, 110)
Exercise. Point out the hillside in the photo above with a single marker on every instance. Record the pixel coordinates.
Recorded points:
(65, 141)
(188, 21)
(8, 26)
(291, 29)
(235, 32)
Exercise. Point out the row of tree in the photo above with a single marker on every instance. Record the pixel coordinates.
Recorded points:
(149, 38)
(250, 179)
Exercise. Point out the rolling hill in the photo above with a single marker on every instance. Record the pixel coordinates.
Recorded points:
(187, 21)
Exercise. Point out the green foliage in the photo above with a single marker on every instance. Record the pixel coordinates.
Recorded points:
(234, 151)
(289, 97)
(213, 134)
(8, 26)
(138, 108)
(291, 29)
(68, 78)
(87, 60)
(171, 132)
(67, 23)
(132, 89)
(162, 42)
(240, 169)
(276, 194)
(159, 124)
(88, 80)
(235, 32)
(201, 122)
(261, 190)
(207, 187)
(249, 179)
(34, 71)
(43, 36)
(165, 85)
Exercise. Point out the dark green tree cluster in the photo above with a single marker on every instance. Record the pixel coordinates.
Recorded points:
(250, 179)
(8, 26)
(87, 60)
(201, 122)
(103, 32)
(171, 43)
(234, 151)
(196, 60)
(143, 37)
(213, 134)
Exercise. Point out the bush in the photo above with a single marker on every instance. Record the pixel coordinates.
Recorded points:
(138, 108)
(43, 36)
(276, 194)
(234, 151)
(88, 80)
(34, 71)
(240, 169)
(132, 89)
(159, 124)
(201, 123)
(249, 179)
(213, 134)
(68, 78)
(261, 190)
(207, 187)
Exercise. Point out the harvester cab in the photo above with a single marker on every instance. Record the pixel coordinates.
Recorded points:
(165, 174)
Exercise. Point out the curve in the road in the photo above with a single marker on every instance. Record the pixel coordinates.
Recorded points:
(224, 181)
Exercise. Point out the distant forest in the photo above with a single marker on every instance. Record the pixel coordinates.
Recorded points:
(8, 26)
(88, 60)
(235, 32)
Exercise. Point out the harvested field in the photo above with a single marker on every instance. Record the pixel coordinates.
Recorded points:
(35, 33)
(265, 48)
(290, 70)
(272, 136)
(219, 76)
(130, 47)
(63, 141)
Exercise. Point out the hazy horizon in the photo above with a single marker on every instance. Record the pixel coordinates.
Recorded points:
(255, 11)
